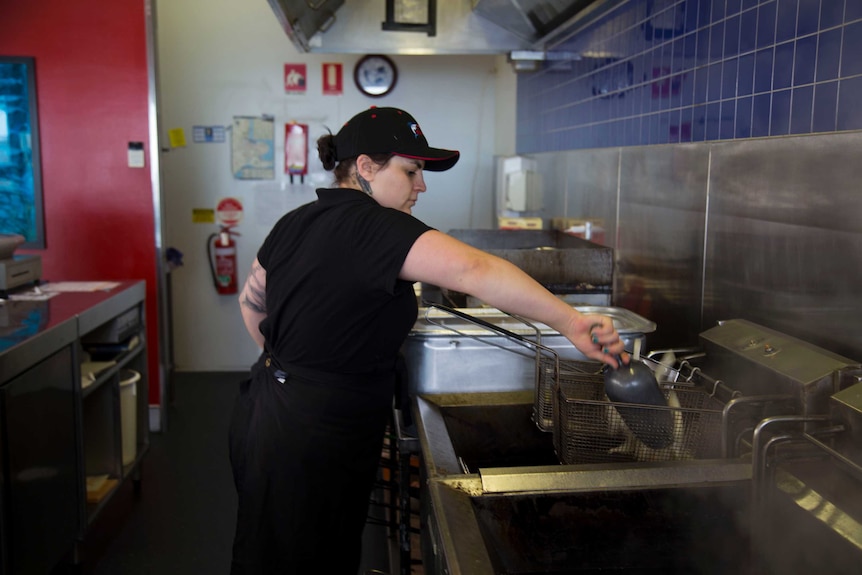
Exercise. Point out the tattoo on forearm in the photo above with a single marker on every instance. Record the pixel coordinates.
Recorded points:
(255, 290)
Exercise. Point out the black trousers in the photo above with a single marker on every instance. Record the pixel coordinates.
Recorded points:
(305, 455)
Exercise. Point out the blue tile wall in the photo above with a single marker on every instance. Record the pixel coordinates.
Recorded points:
(673, 71)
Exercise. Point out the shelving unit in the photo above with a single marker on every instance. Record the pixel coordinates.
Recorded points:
(110, 333)
(58, 427)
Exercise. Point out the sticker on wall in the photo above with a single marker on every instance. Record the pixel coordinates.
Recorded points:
(332, 79)
(208, 134)
(229, 212)
(295, 78)
(177, 137)
(253, 148)
(203, 216)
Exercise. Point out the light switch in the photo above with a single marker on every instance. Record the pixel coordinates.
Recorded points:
(136, 155)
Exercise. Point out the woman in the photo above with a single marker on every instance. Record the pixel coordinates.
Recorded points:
(330, 300)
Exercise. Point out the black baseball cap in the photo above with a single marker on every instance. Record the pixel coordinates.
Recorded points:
(390, 131)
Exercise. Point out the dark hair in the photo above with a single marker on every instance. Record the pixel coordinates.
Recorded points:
(341, 170)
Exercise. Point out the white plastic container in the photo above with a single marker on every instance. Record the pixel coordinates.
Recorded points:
(128, 413)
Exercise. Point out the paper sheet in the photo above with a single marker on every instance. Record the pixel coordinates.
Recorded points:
(253, 148)
(78, 286)
(31, 295)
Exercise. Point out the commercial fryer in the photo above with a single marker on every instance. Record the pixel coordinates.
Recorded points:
(496, 498)
(446, 354)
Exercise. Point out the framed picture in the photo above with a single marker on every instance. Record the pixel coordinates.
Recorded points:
(20, 167)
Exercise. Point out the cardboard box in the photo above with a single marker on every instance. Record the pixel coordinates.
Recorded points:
(519, 223)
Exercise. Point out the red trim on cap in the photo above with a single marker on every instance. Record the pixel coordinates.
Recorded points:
(427, 159)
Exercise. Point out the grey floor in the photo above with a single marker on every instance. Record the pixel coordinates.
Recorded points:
(182, 521)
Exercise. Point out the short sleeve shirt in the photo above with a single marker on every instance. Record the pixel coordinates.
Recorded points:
(333, 297)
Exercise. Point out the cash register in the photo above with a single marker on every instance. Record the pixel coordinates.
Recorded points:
(16, 270)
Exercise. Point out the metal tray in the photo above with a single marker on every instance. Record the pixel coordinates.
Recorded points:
(625, 322)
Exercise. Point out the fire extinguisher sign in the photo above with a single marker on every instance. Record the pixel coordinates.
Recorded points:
(229, 212)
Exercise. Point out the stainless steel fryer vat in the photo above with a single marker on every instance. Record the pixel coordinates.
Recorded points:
(496, 500)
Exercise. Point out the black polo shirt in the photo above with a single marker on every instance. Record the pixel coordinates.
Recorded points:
(333, 297)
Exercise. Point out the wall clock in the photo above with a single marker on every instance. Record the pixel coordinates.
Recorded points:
(375, 75)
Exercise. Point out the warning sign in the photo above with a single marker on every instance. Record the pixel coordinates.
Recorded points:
(294, 78)
(229, 211)
(332, 78)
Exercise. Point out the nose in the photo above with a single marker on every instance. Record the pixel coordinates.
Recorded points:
(419, 182)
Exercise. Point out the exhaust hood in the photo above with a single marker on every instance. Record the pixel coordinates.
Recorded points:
(531, 20)
(462, 26)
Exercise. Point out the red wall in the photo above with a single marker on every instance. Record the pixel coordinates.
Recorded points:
(91, 81)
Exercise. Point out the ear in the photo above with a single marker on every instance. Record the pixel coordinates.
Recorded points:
(366, 167)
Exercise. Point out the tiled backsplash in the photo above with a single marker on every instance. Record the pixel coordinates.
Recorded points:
(675, 71)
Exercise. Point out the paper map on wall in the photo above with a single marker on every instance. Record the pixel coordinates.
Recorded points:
(253, 148)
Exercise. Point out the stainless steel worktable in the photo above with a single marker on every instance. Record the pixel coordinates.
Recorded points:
(60, 430)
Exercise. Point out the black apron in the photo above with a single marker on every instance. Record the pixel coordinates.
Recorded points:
(305, 454)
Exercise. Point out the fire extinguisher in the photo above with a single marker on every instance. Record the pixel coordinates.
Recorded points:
(221, 249)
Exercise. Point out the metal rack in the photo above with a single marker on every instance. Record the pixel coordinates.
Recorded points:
(589, 429)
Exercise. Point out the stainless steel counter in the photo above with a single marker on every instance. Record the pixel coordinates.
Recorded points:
(33, 330)
(55, 432)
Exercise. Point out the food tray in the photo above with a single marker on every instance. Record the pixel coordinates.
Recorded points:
(589, 429)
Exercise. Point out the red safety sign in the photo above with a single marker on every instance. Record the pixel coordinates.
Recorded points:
(295, 78)
(332, 79)
(229, 212)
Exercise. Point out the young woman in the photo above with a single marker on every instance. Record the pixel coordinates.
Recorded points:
(330, 301)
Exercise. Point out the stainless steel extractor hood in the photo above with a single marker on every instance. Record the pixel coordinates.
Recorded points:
(462, 26)
(302, 19)
(531, 20)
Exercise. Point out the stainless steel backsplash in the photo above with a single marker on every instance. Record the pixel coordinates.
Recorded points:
(768, 230)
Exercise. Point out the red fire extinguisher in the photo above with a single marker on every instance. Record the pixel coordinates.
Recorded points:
(221, 249)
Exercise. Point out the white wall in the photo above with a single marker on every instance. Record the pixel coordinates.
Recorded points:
(222, 58)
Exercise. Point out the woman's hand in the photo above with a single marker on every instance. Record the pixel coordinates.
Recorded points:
(595, 337)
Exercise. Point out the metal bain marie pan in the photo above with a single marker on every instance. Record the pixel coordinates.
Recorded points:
(447, 354)
(532, 343)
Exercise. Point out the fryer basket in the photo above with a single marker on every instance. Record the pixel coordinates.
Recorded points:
(549, 370)
(588, 428)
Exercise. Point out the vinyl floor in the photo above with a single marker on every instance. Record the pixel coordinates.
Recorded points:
(182, 520)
